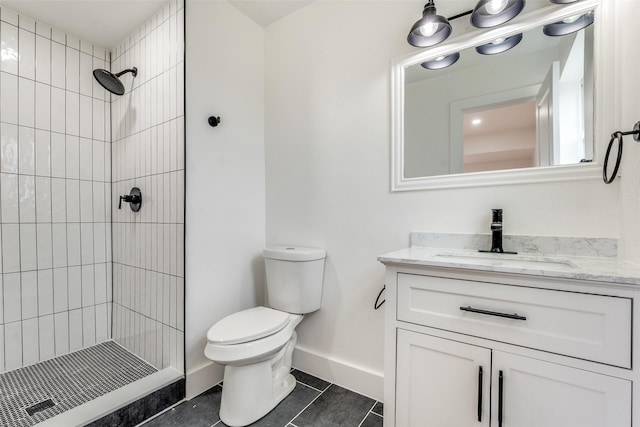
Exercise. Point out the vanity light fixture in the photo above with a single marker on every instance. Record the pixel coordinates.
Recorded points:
(569, 25)
(500, 45)
(441, 62)
(490, 13)
(429, 30)
(563, 1)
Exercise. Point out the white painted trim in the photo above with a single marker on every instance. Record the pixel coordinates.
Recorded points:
(110, 402)
(505, 177)
(356, 378)
(203, 378)
(542, 16)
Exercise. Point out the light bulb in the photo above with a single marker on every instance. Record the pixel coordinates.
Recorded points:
(498, 41)
(428, 29)
(496, 6)
(476, 122)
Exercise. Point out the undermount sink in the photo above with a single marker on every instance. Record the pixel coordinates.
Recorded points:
(508, 260)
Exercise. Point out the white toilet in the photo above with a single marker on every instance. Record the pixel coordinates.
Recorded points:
(256, 345)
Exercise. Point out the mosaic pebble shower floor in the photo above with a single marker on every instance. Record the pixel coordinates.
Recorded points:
(66, 382)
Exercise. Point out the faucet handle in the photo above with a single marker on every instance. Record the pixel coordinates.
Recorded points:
(134, 198)
(496, 215)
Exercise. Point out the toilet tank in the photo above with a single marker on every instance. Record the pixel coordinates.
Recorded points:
(294, 278)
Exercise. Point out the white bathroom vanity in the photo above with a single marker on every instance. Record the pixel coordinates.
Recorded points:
(475, 339)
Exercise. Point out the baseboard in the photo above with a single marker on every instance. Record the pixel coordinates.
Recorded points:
(203, 378)
(340, 372)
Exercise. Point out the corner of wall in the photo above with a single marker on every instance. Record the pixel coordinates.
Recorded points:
(203, 378)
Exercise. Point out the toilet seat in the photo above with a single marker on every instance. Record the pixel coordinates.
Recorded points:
(267, 337)
(247, 325)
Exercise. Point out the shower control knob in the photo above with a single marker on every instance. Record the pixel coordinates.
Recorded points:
(214, 121)
(134, 198)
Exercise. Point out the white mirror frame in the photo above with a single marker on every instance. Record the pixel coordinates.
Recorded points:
(603, 92)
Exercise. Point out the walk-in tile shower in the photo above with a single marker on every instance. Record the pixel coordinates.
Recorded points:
(79, 274)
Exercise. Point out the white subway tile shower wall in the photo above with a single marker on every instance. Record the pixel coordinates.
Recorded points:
(148, 152)
(54, 194)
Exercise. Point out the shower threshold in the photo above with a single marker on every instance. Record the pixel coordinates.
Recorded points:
(77, 388)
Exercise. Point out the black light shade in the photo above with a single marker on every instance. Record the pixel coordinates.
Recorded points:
(569, 25)
(563, 1)
(499, 45)
(441, 62)
(489, 13)
(431, 29)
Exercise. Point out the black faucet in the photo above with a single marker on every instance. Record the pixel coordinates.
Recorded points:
(496, 233)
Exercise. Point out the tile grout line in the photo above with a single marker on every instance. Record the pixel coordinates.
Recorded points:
(50, 161)
(313, 388)
(35, 199)
(309, 404)
(18, 205)
(367, 414)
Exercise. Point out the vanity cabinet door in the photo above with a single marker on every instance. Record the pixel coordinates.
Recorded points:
(441, 382)
(532, 393)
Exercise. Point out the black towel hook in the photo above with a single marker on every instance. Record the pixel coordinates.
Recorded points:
(214, 121)
(617, 135)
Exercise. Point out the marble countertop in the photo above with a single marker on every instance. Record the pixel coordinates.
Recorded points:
(600, 269)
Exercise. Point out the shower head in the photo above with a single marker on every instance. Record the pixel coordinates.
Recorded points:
(110, 81)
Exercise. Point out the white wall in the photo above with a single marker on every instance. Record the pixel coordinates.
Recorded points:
(225, 192)
(327, 164)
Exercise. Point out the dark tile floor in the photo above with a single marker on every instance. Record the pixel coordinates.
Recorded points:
(313, 403)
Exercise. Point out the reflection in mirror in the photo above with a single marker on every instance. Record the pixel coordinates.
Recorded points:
(500, 137)
(527, 107)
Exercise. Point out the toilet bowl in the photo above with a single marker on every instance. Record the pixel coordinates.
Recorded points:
(256, 345)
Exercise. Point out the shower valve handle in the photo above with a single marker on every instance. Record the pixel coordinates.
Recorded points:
(134, 198)
(128, 198)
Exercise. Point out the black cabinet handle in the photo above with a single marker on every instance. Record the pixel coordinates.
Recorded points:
(514, 316)
(500, 393)
(480, 394)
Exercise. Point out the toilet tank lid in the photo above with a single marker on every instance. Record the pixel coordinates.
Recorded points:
(247, 325)
(293, 253)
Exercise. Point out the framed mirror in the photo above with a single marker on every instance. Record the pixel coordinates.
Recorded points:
(523, 115)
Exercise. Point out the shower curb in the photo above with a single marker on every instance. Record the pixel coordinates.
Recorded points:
(144, 408)
(139, 400)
